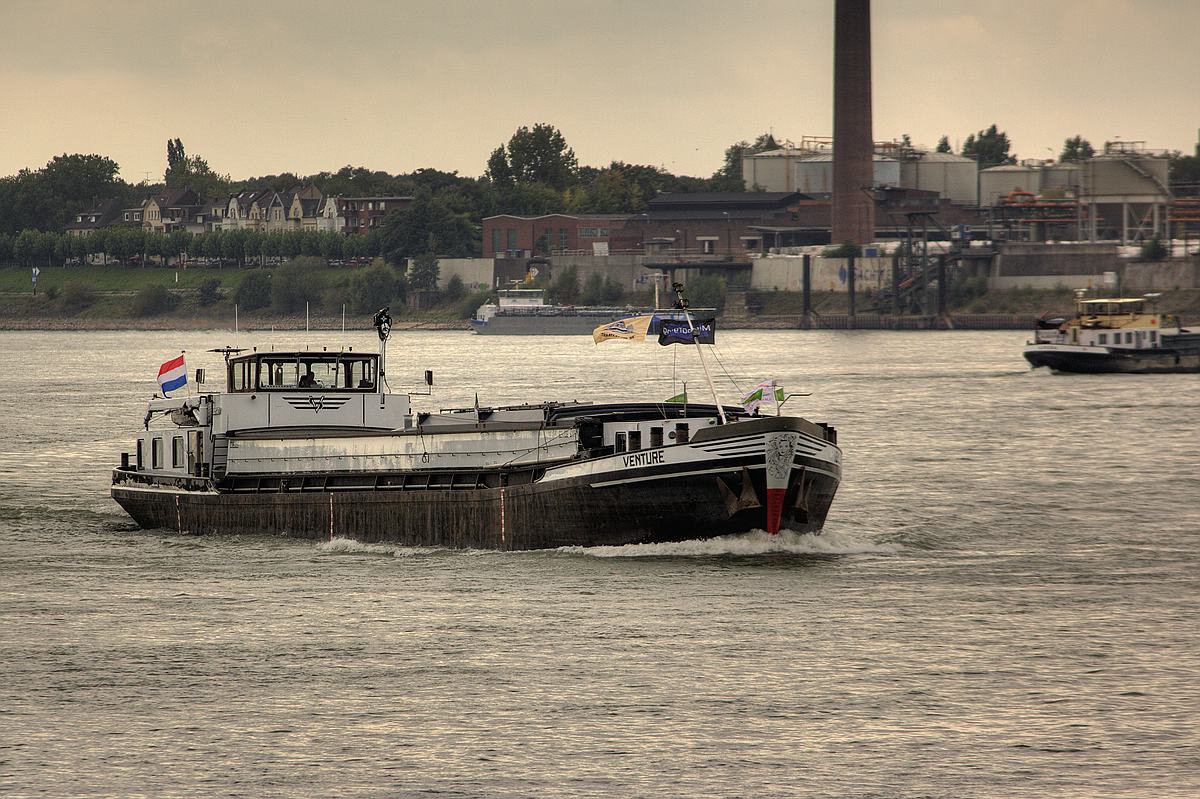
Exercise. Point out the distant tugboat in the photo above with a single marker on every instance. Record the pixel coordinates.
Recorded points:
(1114, 335)
(311, 444)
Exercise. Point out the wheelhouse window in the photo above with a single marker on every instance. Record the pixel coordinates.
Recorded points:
(139, 454)
(177, 452)
(303, 372)
(1102, 338)
(1153, 336)
(156, 453)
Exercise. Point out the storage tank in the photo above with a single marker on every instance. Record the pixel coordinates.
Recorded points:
(955, 177)
(1124, 175)
(770, 171)
(997, 182)
(1063, 178)
(814, 174)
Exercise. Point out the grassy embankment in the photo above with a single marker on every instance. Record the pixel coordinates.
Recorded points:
(97, 297)
(108, 301)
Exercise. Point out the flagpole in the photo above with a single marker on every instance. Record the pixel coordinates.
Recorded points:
(696, 340)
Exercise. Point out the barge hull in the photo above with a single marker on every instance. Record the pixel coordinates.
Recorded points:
(572, 512)
(1133, 362)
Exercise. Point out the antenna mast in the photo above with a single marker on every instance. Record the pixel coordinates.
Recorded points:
(383, 324)
(683, 305)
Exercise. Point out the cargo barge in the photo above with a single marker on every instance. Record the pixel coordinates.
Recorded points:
(312, 445)
(1114, 335)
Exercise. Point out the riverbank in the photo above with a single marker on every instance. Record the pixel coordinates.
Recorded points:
(1002, 309)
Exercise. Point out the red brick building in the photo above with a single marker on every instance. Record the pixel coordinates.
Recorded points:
(364, 214)
(551, 234)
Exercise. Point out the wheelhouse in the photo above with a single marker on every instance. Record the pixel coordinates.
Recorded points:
(303, 371)
(1110, 307)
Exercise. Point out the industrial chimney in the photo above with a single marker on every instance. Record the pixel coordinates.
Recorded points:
(853, 146)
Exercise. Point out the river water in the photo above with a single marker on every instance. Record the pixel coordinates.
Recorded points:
(1005, 600)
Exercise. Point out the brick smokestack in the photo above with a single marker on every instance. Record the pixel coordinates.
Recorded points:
(853, 146)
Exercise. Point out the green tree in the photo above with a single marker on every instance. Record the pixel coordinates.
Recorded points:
(153, 300)
(47, 247)
(72, 183)
(209, 292)
(290, 240)
(272, 245)
(212, 244)
(988, 147)
(423, 274)
(184, 170)
(593, 290)
(254, 291)
(1183, 171)
(97, 244)
(498, 170)
(63, 249)
(540, 155)
(729, 176)
(331, 245)
(155, 245)
(455, 290)
(427, 225)
(233, 245)
(296, 283)
(79, 248)
(176, 157)
(707, 291)
(25, 247)
(253, 246)
(565, 288)
(376, 286)
(533, 199)
(1076, 149)
(943, 145)
(613, 292)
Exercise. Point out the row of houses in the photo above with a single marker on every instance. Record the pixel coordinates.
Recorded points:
(265, 210)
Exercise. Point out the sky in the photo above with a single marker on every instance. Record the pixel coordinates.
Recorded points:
(267, 87)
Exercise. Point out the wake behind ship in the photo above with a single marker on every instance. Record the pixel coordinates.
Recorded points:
(311, 444)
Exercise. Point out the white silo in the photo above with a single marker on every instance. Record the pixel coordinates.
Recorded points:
(997, 182)
(954, 177)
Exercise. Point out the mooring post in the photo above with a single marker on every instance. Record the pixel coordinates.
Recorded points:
(850, 288)
(941, 296)
(895, 287)
(806, 289)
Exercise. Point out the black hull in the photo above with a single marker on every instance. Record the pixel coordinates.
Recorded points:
(573, 512)
(1131, 362)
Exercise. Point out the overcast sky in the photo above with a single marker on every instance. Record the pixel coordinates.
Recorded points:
(267, 87)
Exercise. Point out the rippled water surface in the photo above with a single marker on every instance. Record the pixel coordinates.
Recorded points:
(1005, 601)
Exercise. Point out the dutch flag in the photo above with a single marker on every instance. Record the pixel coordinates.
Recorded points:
(172, 375)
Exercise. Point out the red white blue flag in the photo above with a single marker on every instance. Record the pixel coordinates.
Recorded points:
(172, 375)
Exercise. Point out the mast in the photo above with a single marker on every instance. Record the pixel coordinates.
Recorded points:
(683, 305)
(383, 324)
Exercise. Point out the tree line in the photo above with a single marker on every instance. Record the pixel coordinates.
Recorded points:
(534, 172)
